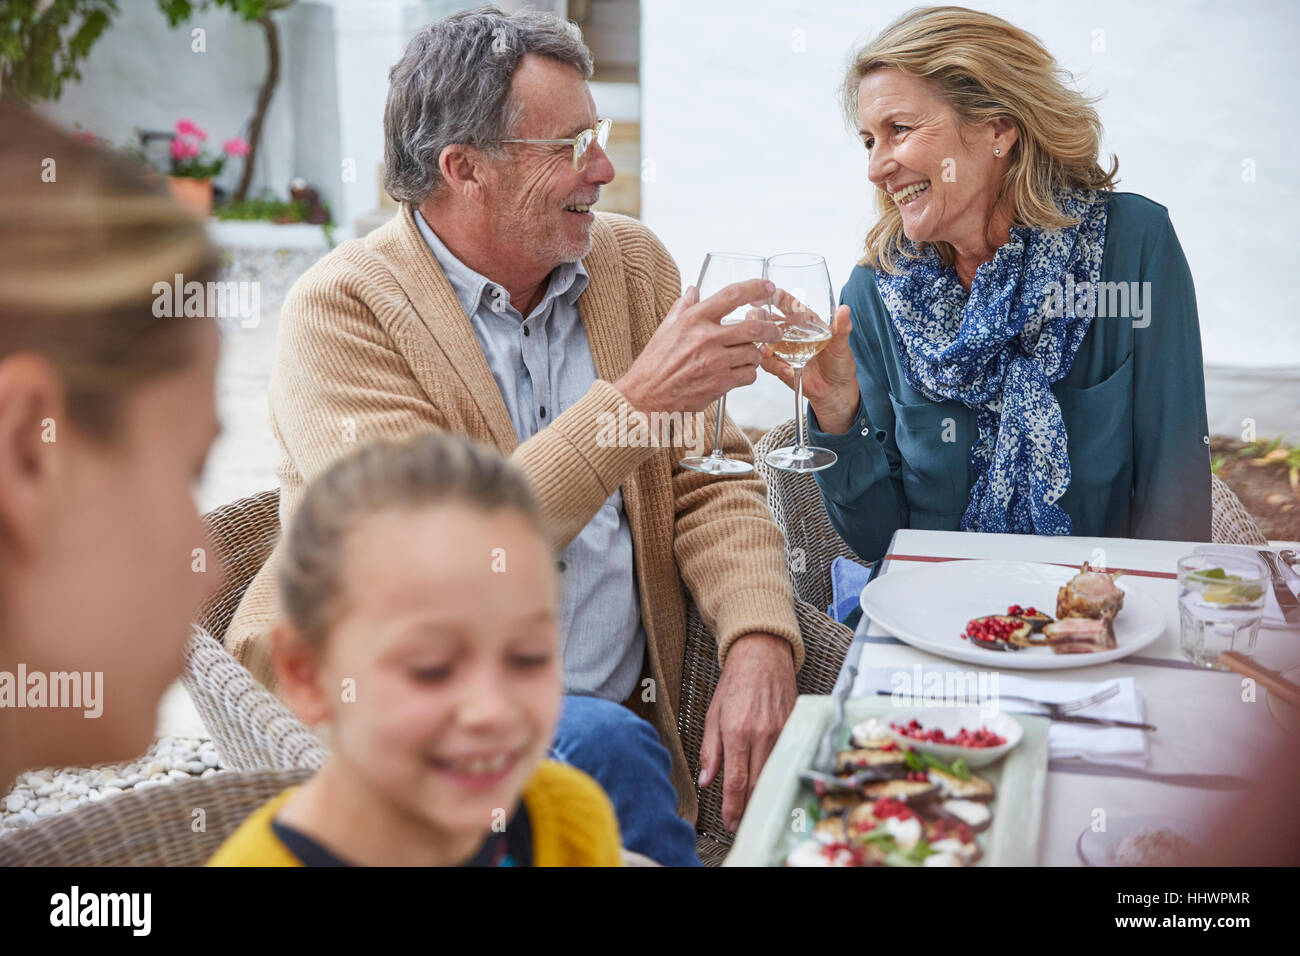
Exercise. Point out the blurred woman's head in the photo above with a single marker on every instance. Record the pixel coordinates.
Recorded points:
(106, 415)
(422, 607)
(975, 114)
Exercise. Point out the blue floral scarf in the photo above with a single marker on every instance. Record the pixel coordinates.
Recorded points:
(998, 351)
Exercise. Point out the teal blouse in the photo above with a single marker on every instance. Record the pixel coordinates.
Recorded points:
(1133, 404)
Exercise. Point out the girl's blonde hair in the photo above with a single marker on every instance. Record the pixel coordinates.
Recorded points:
(84, 236)
(432, 469)
(985, 68)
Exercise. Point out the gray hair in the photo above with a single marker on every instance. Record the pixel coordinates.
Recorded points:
(452, 85)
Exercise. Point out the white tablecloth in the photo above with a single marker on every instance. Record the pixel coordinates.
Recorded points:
(1205, 727)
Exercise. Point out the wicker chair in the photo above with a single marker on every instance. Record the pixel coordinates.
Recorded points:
(1230, 523)
(155, 827)
(811, 543)
(251, 728)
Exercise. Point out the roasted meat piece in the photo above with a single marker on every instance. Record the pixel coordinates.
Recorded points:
(1081, 635)
(1090, 594)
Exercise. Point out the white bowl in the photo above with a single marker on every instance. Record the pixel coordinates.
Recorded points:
(950, 720)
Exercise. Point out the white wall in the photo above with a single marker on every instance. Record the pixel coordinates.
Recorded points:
(749, 151)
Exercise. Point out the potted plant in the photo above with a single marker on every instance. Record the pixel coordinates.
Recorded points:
(192, 169)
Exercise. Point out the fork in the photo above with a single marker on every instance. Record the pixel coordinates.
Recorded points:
(1069, 706)
(1053, 709)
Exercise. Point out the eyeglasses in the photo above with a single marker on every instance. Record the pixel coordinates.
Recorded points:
(581, 143)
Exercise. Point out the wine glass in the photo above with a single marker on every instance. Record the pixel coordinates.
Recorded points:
(803, 295)
(721, 269)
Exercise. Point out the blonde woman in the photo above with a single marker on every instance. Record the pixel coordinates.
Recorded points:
(1019, 350)
(106, 415)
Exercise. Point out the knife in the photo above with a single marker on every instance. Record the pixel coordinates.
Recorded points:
(1098, 721)
(1285, 599)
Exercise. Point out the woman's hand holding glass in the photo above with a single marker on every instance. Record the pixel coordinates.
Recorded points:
(830, 379)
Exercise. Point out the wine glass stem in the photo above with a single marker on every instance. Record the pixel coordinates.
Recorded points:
(798, 407)
(717, 426)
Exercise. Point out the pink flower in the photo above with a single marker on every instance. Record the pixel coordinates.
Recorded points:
(235, 147)
(188, 128)
(184, 147)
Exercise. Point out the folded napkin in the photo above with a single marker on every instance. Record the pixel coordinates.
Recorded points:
(848, 578)
(1121, 746)
(1272, 610)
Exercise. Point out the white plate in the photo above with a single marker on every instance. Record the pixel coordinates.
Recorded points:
(929, 606)
(950, 720)
(1095, 849)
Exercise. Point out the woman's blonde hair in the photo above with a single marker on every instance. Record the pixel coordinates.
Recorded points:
(433, 469)
(985, 68)
(83, 238)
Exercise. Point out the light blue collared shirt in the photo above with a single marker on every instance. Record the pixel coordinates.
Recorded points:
(543, 365)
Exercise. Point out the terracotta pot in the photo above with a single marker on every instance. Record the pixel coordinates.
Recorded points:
(194, 194)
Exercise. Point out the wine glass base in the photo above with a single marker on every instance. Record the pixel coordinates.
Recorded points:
(801, 459)
(711, 465)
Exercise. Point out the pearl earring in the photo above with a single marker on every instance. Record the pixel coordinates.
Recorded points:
(996, 151)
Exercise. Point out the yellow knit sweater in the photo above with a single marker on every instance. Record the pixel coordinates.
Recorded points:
(572, 823)
(373, 343)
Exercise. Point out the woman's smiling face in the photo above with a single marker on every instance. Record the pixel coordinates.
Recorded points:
(916, 142)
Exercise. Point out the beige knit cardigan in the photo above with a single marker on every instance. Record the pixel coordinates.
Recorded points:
(373, 343)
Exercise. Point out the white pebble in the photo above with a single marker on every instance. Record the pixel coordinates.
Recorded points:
(194, 767)
(108, 791)
(46, 790)
(116, 782)
(209, 772)
(135, 779)
(156, 767)
(15, 802)
(178, 774)
(209, 758)
(76, 789)
(38, 778)
(26, 817)
(109, 775)
(94, 796)
(47, 808)
(146, 784)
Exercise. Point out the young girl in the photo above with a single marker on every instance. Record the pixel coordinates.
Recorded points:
(421, 604)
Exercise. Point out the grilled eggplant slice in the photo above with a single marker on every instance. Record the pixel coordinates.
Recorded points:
(886, 761)
(951, 787)
(908, 791)
(833, 804)
(975, 815)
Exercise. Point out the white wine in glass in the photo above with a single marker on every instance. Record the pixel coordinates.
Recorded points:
(803, 295)
(721, 269)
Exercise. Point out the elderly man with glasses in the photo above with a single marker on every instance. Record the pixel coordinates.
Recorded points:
(498, 305)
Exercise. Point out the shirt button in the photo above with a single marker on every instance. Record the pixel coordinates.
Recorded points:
(562, 566)
(1206, 439)
(542, 411)
(525, 330)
